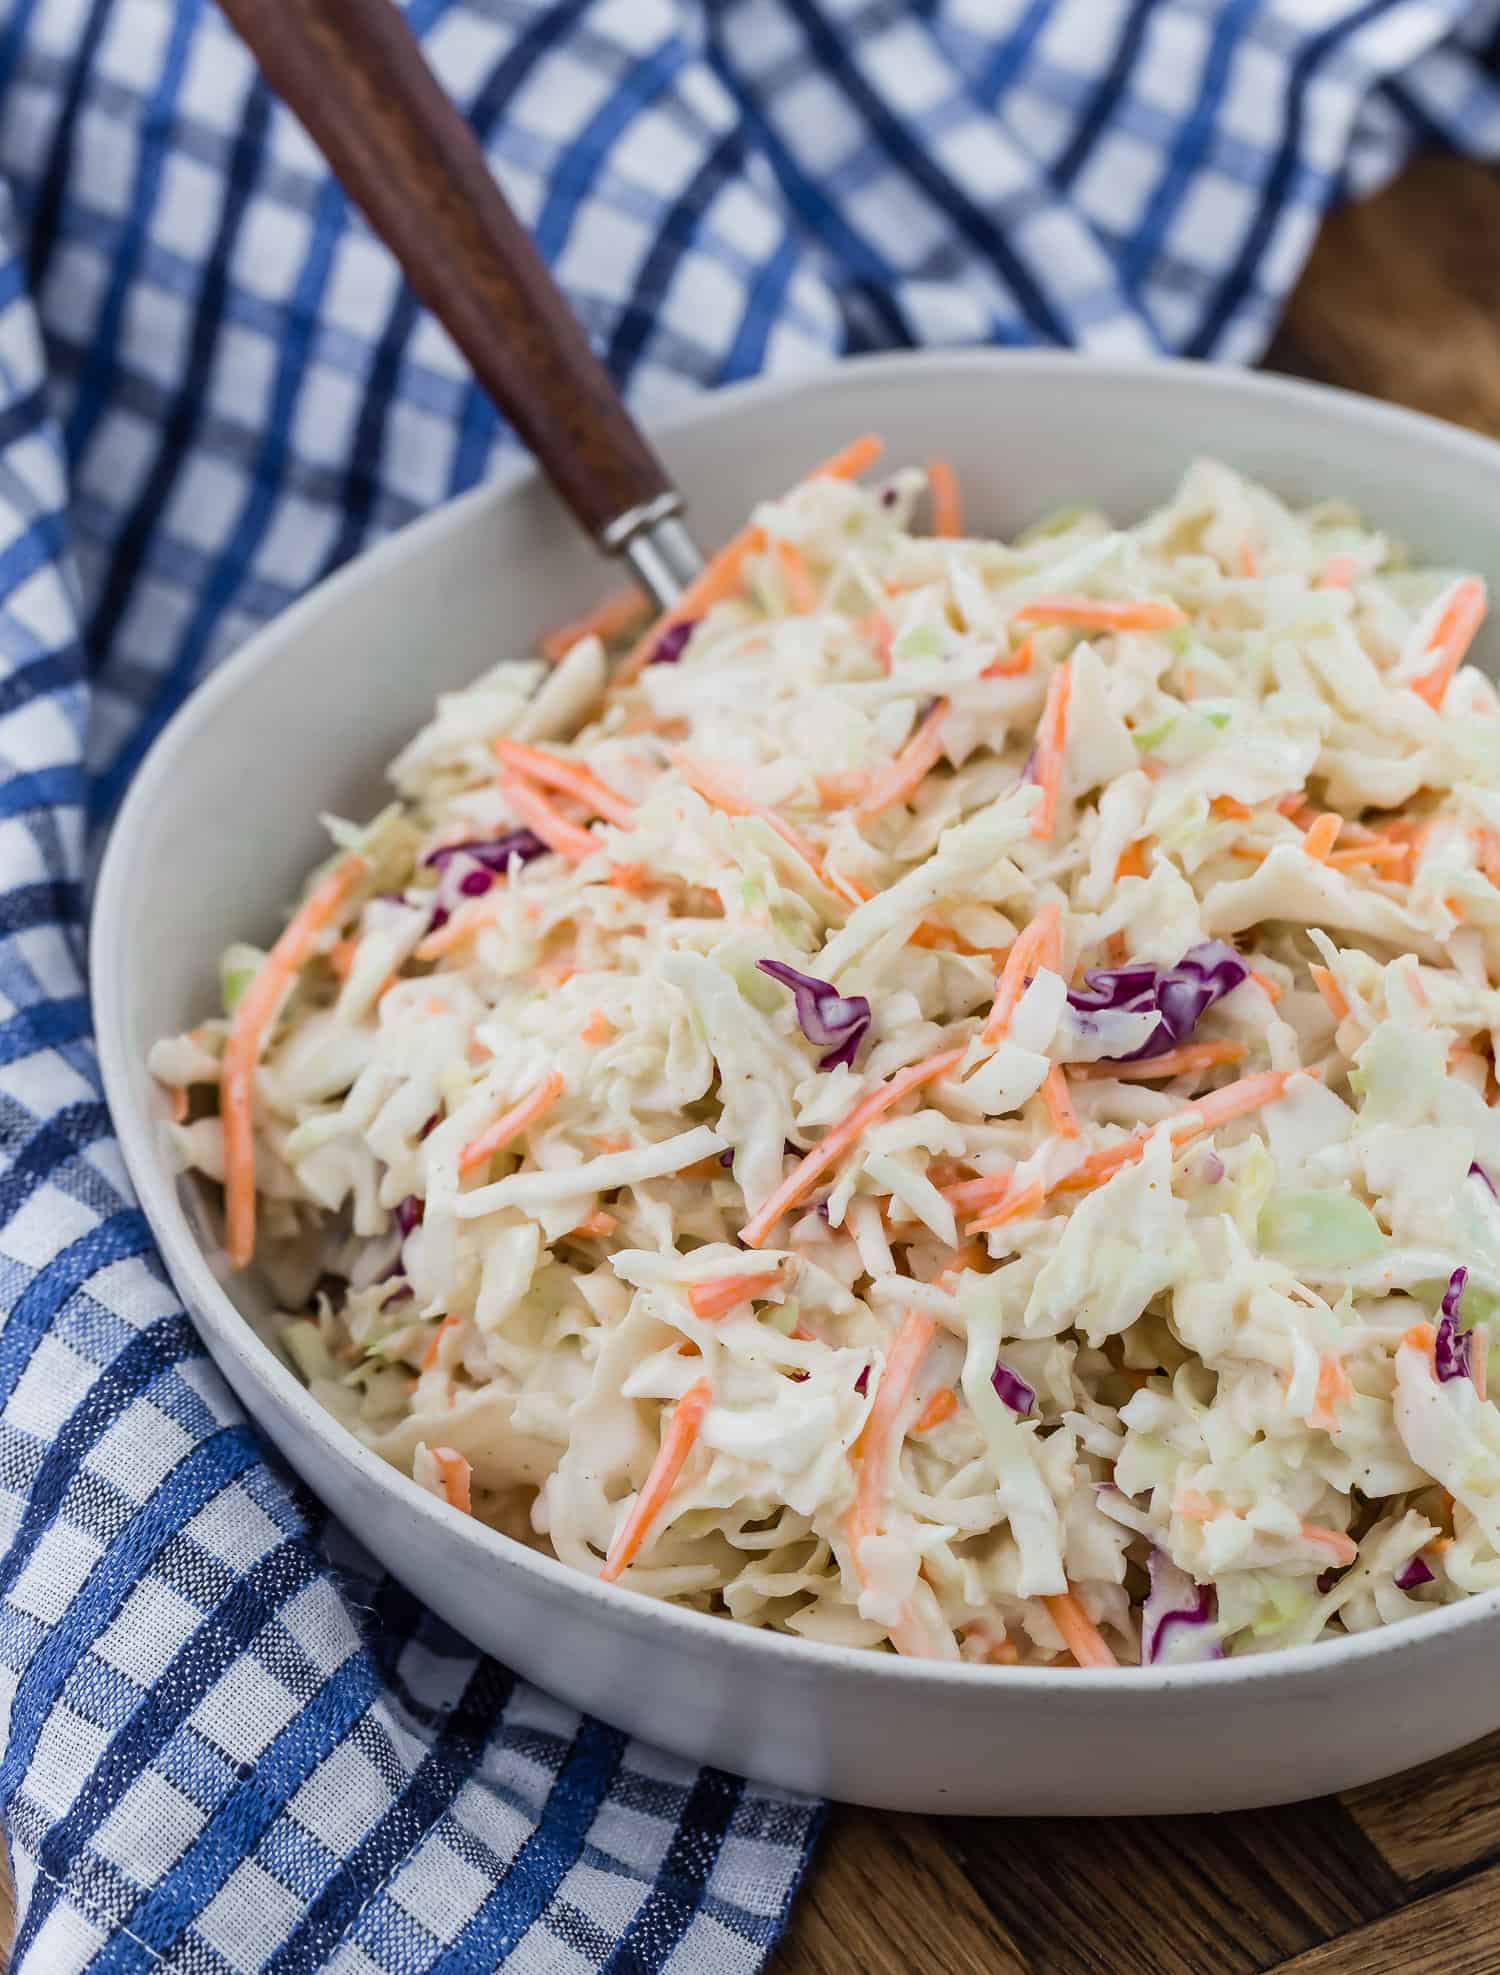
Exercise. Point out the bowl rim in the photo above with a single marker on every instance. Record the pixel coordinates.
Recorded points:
(210, 1305)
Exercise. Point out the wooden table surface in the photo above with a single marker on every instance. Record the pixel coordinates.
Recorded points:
(1401, 300)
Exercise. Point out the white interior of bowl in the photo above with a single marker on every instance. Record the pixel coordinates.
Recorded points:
(220, 825)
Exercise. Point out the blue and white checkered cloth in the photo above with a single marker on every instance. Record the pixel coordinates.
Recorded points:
(231, 1743)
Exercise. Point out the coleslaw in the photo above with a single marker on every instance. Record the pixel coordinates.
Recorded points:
(941, 1103)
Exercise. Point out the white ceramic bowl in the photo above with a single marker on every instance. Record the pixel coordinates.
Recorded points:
(220, 827)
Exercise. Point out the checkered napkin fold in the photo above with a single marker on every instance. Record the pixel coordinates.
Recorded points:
(231, 1743)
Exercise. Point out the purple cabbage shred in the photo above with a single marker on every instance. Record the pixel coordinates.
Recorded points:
(1476, 1171)
(830, 1020)
(1413, 1574)
(1178, 1617)
(408, 1214)
(862, 1383)
(669, 646)
(493, 853)
(1453, 1352)
(1013, 1389)
(1179, 996)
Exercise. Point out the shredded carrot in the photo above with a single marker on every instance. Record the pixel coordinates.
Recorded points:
(597, 1223)
(876, 626)
(1132, 860)
(1117, 947)
(1228, 805)
(1059, 1103)
(1171, 1063)
(1082, 1637)
(720, 577)
(941, 1406)
(906, 773)
(1251, 853)
(1489, 855)
(1249, 561)
(849, 464)
(461, 927)
(1392, 857)
(341, 957)
(947, 504)
(454, 1473)
(1204, 1114)
(842, 789)
(843, 1135)
(994, 1649)
(717, 786)
(510, 1122)
(1343, 1546)
(1322, 834)
(1421, 1337)
(599, 1028)
(716, 1296)
(1051, 737)
(247, 1033)
(1334, 1387)
(722, 574)
(1013, 1207)
(1293, 804)
(430, 1355)
(1021, 963)
(677, 1443)
(796, 577)
(546, 819)
(1010, 664)
(1332, 993)
(608, 620)
(1338, 573)
(874, 1447)
(984, 1191)
(1094, 614)
(1451, 640)
(553, 772)
(1267, 986)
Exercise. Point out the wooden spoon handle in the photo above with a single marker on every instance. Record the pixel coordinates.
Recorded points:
(353, 73)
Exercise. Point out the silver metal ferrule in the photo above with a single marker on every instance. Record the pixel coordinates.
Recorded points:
(659, 549)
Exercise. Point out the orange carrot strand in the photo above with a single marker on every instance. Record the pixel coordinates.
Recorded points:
(1171, 1063)
(1450, 641)
(511, 1123)
(1095, 614)
(1049, 754)
(1082, 1637)
(546, 819)
(911, 766)
(941, 1406)
(677, 1443)
(552, 771)
(609, 620)
(947, 503)
(716, 1296)
(247, 1035)
(841, 1137)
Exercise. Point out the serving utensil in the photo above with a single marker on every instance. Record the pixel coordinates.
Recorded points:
(354, 75)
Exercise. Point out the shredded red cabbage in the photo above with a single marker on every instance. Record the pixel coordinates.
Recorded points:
(1477, 1172)
(1179, 996)
(669, 646)
(1178, 1617)
(1013, 1389)
(1415, 1573)
(1453, 1353)
(408, 1214)
(493, 853)
(862, 1383)
(830, 1020)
